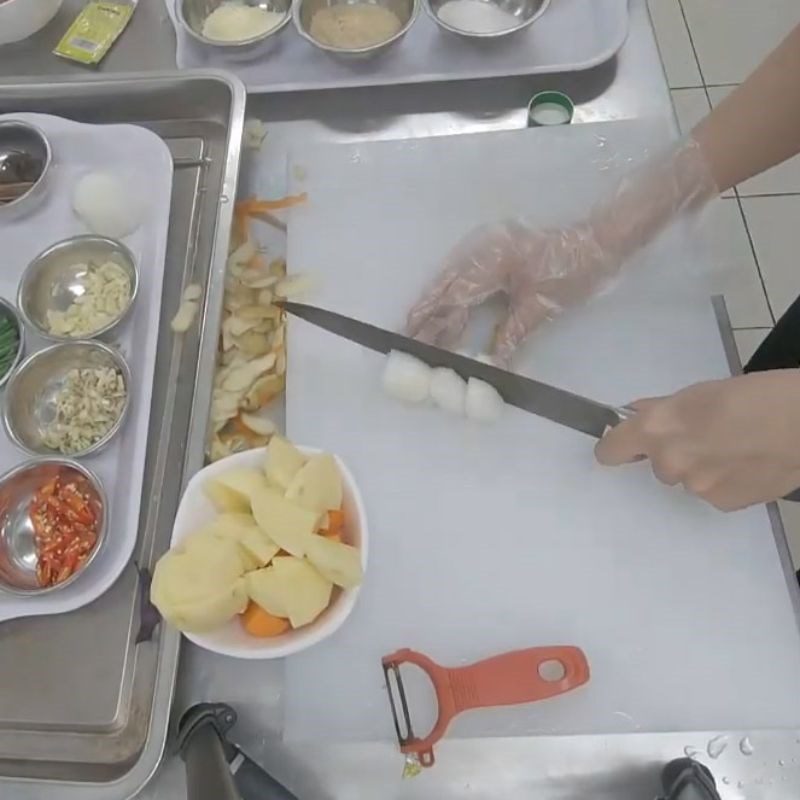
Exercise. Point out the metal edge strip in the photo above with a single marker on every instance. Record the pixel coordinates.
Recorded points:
(776, 521)
(166, 676)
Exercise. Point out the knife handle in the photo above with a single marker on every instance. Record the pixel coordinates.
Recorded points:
(622, 414)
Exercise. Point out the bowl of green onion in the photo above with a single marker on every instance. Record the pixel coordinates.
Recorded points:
(12, 340)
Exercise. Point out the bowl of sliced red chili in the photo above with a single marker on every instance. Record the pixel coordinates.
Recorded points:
(52, 524)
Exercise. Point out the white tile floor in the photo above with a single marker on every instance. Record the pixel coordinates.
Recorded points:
(708, 47)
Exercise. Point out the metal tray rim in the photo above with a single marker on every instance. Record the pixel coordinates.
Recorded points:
(149, 758)
(377, 80)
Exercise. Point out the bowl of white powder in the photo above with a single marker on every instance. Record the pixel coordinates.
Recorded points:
(238, 25)
(354, 28)
(485, 19)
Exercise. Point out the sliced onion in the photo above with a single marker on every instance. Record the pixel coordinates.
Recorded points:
(406, 378)
(448, 390)
(483, 401)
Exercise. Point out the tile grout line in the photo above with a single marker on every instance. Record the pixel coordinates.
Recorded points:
(770, 194)
(755, 257)
(694, 49)
(702, 77)
(705, 86)
(737, 196)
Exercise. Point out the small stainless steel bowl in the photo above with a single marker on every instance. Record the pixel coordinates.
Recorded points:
(25, 157)
(192, 14)
(526, 12)
(56, 278)
(30, 397)
(17, 547)
(303, 12)
(9, 310)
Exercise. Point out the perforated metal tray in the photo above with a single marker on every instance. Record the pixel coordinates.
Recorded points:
(81, 703)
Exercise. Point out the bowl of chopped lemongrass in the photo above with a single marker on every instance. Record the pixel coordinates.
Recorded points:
(69, 399)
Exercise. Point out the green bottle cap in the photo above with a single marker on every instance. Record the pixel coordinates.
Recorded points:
(550, 108)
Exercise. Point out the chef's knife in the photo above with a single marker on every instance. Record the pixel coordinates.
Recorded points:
(539, 398)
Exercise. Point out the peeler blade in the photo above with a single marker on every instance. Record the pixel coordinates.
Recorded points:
(393, 670)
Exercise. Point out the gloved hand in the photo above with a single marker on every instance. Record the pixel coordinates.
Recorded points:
(734, 442)
(542, 271)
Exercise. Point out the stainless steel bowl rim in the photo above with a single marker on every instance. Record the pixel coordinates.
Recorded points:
(198, 37)
(14, 311)
(47, 161)
(101, 443)
(297, 6)
(101, 532)
(64, 243)
(485, 35)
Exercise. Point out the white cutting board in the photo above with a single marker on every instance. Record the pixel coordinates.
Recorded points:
(494, 538)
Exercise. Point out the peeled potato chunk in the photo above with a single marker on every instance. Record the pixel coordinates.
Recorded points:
(197, 585)
(284, 460)
(214, 554)
(231, 521)
(339, 563)
(318, 485)
(224, 498)
(244, 481)
(211, 611)
(290, 587)
(269, 590)
(258, 545)
(286, 524)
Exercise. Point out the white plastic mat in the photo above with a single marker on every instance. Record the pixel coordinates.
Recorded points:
(144, 162)
(488, 538)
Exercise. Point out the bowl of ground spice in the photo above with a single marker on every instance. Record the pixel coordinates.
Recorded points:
(354, 28)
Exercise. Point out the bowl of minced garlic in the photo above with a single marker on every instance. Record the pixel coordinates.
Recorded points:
(354, 29)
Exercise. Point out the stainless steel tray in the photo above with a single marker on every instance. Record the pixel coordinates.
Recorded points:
(80, 701)
(571, 35)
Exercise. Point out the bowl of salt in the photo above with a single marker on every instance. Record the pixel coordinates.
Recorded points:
(485, 19)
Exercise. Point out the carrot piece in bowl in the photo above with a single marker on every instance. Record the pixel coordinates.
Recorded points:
(258, 622)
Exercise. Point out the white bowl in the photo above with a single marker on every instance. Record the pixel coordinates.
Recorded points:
(196, 510)
(20, 19)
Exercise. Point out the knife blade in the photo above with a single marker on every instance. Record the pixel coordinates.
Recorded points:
(542, 399)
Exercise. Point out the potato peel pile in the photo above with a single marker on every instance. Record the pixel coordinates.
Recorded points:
(273, 554)
(251, 364)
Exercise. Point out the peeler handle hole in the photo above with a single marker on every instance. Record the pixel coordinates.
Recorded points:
(552, 670)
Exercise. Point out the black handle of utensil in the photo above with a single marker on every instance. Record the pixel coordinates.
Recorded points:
(255, 783)
(207, 773)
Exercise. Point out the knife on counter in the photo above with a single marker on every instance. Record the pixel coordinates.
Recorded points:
(550, 402)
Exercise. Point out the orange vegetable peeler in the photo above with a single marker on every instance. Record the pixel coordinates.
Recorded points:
(520, 676)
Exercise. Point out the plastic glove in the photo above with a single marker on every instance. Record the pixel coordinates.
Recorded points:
(543, 271)
(733, 442)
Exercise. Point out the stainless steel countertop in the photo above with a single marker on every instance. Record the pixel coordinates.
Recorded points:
(620, 767)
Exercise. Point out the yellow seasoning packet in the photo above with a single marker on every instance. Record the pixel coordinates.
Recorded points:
(94, 30)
